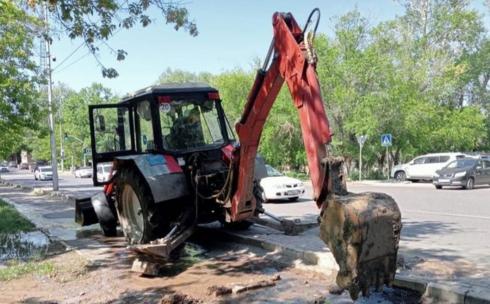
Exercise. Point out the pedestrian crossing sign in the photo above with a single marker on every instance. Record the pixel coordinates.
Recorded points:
(386, 140)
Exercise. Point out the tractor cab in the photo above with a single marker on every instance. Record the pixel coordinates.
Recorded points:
(172, 120)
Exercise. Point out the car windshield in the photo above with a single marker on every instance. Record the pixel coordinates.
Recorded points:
(271, 171)
(461, 163)
(189, 124)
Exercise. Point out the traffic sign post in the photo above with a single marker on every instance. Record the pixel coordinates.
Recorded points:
(361, 139)
(386, 141)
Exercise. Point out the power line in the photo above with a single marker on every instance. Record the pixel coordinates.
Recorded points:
(68, 57)
(77, 60)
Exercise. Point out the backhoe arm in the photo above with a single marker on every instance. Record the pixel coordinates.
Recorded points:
(361, 230)
(290, 64)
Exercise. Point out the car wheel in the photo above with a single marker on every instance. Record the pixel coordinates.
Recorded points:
(438, 187)
(400, 176)
(293, 199)
(470, 183)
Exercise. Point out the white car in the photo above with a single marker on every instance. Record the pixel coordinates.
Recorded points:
(104, 172)
(423, 167)
(43, 173)
(276, 186)
(83, 172)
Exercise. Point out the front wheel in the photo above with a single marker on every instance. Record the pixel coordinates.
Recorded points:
(400, 176)
(470, 183)
(438, 187)
(136, 209)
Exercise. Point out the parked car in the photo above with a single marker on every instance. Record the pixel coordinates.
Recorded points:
(24, 166)
(104, 171)
(43, 173)
(3, 169)
(423, 167)
(465, 172)
(276, 186)
(83, 172)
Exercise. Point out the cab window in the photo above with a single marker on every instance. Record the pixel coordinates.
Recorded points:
(419, 161)
(146, 139)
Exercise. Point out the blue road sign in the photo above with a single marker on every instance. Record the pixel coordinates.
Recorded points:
(386, 140)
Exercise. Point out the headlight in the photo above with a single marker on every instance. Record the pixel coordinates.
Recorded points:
(459, 174)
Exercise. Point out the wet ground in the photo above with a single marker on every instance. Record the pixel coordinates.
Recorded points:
(105, 277)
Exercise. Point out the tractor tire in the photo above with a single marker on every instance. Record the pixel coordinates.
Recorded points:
(139, 216)
(106, 214)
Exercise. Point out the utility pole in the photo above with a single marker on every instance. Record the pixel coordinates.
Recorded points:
(52, 139)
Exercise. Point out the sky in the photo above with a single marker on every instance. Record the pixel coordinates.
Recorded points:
(231, 35)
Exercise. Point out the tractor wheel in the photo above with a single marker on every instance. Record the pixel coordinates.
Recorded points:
(138, 215)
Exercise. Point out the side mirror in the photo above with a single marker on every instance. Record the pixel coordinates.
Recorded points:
(100, 123)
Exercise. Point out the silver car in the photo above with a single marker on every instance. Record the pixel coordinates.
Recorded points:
(43, 173)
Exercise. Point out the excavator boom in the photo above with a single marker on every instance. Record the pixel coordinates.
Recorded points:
(362, 231)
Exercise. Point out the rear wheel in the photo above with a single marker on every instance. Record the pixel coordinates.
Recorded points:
(136, 209)
(470, 184)
(400, 176)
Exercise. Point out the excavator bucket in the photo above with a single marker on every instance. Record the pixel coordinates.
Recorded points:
(362, 231)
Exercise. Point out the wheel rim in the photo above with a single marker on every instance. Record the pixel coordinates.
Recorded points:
(470, 184)
(132, 220)
(400, 176)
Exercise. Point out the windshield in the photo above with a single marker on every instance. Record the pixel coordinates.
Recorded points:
(190, 124)
(271, 171)
(461, 163)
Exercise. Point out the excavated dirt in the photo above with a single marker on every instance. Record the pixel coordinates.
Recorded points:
(109, 279)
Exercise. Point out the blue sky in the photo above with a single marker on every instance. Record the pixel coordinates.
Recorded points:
(231, 34)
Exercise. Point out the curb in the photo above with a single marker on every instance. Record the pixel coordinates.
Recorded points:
(440, 293)
(437, 292)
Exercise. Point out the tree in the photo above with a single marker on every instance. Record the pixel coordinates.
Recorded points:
(18, 80)
(97, 21)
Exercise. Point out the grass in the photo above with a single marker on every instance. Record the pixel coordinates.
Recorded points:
(16, 269)
(11, 221)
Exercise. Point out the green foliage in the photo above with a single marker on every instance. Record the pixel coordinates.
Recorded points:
(18, 110)
(12, 221)
(423, 77)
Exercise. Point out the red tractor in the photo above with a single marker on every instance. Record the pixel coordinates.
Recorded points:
(176, 163)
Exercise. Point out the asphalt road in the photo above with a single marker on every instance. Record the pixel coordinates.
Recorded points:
(79, 187)
(447, 224)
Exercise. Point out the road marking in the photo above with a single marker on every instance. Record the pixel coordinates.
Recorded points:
(448, 214)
